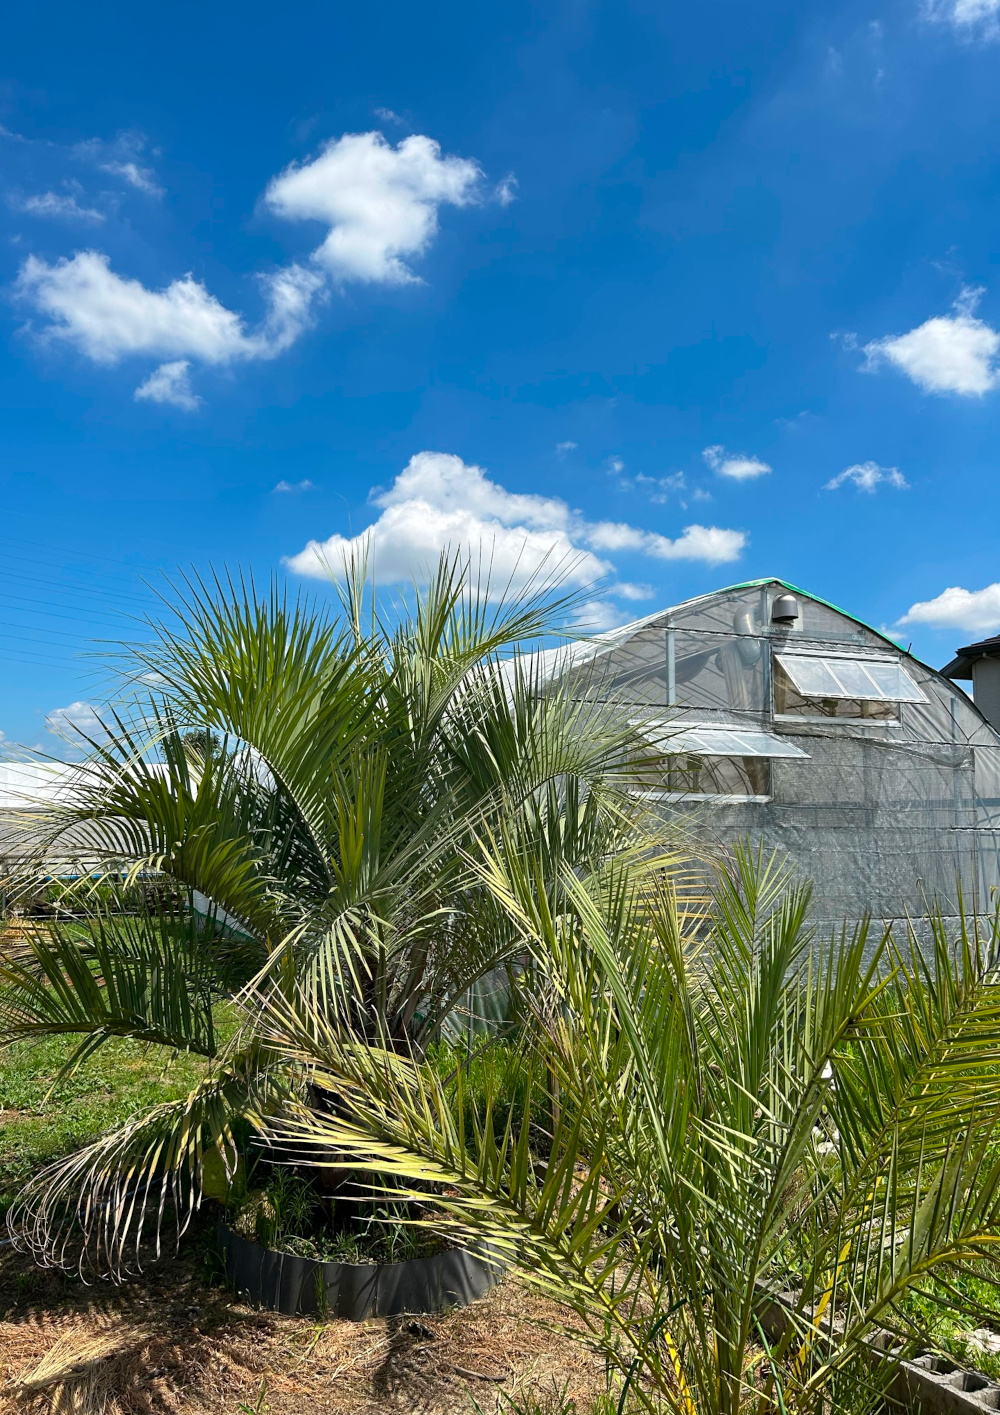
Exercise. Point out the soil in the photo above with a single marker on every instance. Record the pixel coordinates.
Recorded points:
(175, 1342)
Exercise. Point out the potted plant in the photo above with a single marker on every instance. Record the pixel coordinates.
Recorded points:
(292, 1248)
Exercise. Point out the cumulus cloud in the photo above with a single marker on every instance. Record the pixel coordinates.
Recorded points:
(439, 502)
(955, 608)
(734, 465)
(380, 202)
(55, 204)
(290, 295)
(710, 544)
(866, 476)
(953, 353)
(109, 317)
(563, 447)
(971, 18)
(170, 383)
(293, 486)
(70, 721)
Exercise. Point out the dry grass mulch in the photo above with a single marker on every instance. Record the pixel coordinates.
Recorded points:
(173, 1343)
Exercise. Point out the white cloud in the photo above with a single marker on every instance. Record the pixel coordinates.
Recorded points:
(734, 465)
(123, 158)
(563, 447)
(136, 176)
(708, 543)
(661, 489)
(439, 502)
(289, 294)
(445, 481)
(972, 18)
(109, 317)
(170, 383)
(624, 590)
(955, 608)
(505, 190)
(866, 476)
(294, 486)
(70, 721)
(598, 615)
(406, 541)
(54, 204)
(380, 202)
(953, 353)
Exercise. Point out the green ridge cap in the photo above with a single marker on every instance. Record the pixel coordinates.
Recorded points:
(818, 599)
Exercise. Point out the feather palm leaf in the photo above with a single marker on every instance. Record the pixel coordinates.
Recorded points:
(741, 1110)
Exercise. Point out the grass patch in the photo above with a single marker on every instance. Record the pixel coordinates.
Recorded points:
(120, 1079)
(950, 1314)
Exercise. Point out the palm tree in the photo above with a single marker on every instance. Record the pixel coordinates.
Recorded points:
(317, 786)
(742, 1112)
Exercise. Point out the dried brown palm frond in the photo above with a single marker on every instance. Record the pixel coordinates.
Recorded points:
(79, 1374)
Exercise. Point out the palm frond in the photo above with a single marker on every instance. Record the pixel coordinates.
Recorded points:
(96, 1210)
(720, 1115)
(150, 976)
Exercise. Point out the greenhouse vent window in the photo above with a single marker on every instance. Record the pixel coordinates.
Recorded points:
(709, 761)
(831, 685)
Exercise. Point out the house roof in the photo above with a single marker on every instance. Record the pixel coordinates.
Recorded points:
(961, 664)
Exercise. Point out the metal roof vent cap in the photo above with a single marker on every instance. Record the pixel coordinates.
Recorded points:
(785, 609)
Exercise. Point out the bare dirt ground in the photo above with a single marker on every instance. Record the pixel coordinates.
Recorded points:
(175, 1343)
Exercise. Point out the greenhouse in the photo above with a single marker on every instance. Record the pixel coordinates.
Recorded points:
(772, 715)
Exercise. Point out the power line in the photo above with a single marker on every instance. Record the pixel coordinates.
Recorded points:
(21, 605)
(19, 656)
(122, 595)
(50, 549)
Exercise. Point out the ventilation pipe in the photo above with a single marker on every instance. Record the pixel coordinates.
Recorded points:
(785, 609)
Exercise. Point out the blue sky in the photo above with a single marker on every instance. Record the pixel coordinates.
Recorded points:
(693, 293)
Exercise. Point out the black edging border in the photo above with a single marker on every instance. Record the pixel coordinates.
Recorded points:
(284, 1282)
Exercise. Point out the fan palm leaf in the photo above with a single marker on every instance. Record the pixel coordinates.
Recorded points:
(321, 785)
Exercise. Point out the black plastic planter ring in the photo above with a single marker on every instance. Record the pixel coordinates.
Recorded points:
(287, 1283)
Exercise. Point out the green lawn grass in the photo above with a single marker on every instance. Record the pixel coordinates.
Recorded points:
(36, 1126)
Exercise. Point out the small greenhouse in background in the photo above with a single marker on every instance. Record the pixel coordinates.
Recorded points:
(775, 716)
